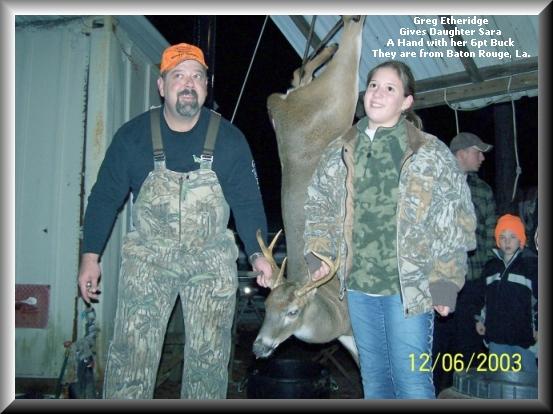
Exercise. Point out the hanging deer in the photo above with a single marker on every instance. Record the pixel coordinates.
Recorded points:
(305, 120)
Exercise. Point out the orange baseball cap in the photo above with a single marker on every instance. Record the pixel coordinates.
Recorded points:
(176, 54)
(513, 223)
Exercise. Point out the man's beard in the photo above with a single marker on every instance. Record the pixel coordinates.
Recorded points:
(188, 109)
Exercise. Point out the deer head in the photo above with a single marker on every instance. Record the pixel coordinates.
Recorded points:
(293, 308)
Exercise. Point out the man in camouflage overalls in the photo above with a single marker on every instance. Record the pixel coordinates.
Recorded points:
(181, 245)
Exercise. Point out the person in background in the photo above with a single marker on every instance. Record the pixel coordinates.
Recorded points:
(187, 168)
(509, 320)
(390, 203)
(455, 334)
(469, 151)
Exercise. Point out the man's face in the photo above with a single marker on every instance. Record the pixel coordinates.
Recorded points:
(470, 159)
(184, 88)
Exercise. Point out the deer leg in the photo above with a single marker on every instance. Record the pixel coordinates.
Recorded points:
(320, 59)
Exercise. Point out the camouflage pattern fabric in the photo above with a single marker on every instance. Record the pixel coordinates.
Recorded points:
(374, 266)
(181, 246)
(435, 218)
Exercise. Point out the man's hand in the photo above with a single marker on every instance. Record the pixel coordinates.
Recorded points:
(443, 310)
(89, 276)
(265, 278)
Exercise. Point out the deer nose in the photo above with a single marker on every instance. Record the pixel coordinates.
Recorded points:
(262, 350)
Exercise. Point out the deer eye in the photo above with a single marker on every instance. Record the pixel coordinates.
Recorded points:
(293, 312)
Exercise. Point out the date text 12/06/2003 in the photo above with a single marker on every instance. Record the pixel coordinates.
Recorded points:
(456, 362)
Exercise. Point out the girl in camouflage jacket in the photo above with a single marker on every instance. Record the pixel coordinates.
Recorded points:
(391, 202)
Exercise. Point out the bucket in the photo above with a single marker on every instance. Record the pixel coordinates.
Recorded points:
(493, 385)
(289, 378)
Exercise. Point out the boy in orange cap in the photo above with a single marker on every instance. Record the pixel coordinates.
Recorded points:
(509, 319)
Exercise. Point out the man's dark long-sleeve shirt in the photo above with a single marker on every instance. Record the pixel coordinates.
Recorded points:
(129, 159)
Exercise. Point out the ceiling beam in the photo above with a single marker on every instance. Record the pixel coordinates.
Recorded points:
(490, 88)
(487, 73)
(459, 44)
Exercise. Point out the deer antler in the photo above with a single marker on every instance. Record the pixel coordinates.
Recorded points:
(268, 254)
(310, 285)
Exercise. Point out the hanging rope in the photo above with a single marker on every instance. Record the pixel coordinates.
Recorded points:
(518, 169)
(457, 120)
(515, 144)
(454, 109)
(249, 68)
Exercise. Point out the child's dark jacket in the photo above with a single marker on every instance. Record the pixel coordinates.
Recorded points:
(511, 291)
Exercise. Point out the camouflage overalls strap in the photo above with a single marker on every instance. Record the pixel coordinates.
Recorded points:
(180, 246)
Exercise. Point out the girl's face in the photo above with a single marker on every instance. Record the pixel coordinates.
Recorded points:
(508, 243)
(384, 99)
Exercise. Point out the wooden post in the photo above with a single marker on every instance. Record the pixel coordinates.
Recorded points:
(204, 37)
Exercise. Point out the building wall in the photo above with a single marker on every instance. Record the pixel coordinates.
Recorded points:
(78, 79)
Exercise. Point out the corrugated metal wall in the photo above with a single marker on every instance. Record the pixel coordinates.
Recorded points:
(51, 70)
(78, 80)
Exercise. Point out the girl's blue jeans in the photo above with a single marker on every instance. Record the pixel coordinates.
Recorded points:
(395, 352)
